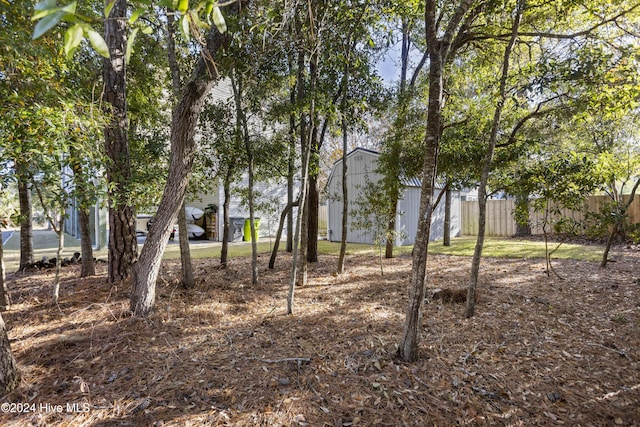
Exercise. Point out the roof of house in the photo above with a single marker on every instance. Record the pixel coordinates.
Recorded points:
(406, 181)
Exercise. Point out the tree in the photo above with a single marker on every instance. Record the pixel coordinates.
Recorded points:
(9, 374)
(183, 128)
(224, 157)
(123, 243)
(371, 215)
(486, 167)
(176, 83)
(441, 31)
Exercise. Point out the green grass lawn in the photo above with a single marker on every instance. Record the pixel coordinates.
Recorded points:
(461, 246)
(45, 244)
(513, 248)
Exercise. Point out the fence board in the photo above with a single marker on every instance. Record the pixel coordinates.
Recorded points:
(500, 220)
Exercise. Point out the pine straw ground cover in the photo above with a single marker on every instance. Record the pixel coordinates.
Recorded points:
(540, 351)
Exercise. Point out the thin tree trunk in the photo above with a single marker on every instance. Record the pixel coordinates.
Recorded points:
(302, 198)
(313, 205)
(5, 297)
(87, 266)
(26, 225)
(299, 229)
(345, 191)
(9, 374)
(291, 169)
(286, 214)
(183, 129)
(438, 53)
(123, 243)
(185, 251)
(413, 322)
(486, 167)
(345, 148)
(83, 189)
(56, 282)
(226, 226)
(446, 241)
(183, 236)
(396, 149)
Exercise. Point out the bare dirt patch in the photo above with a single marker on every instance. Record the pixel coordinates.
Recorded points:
(540, 351)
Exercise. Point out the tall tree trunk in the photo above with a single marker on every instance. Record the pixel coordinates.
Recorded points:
(302, 198)
(185, 252)
(396, 149)
(56, 281)
(413, 322)
(226, 226)
(87, 266)
(438, 50)
(486, 167)
(26, 224)
(5, 297)
(183, 236)
(345, 191)
(299, 228)
(183, 129)
(345, 148)
(446, 241)
(311, 141)
(83, 184)
(291, 170)
(242, 131)
(286, 214)
(9, 374)
(123, 244)
(313, 205)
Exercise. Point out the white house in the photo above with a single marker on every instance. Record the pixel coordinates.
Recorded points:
(361, 171)
(270, 198)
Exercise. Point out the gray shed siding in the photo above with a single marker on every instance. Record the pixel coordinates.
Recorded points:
(361, 164)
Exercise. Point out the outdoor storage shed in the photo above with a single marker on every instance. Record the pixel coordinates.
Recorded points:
(361, 171)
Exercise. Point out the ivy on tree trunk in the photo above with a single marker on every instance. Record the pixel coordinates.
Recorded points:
(123, 243)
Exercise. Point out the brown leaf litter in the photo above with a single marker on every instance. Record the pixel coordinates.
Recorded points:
(540, 351)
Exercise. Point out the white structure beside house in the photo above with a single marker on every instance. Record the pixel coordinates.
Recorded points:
(270, 200)
(361, 170)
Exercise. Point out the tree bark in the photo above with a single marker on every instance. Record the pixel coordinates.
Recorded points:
(5, 297)
(226, 226)
(26, 224)
(87, 266)
(291, 168)
(9, 374)
(302, 198)
(438, 52)
(486, 167)
(413, 322)
(243, 132)
(123, 244)
(183, 129)
(185, 252)
(313, 205)
(446, 241)
(345, 190)
(286, 214)
(183, 236)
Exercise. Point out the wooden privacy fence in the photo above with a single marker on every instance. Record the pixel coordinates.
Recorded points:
(500, 221)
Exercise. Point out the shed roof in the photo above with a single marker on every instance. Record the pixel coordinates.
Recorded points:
(406, 181)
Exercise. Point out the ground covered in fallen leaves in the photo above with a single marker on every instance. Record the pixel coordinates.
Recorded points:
(540, 350)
